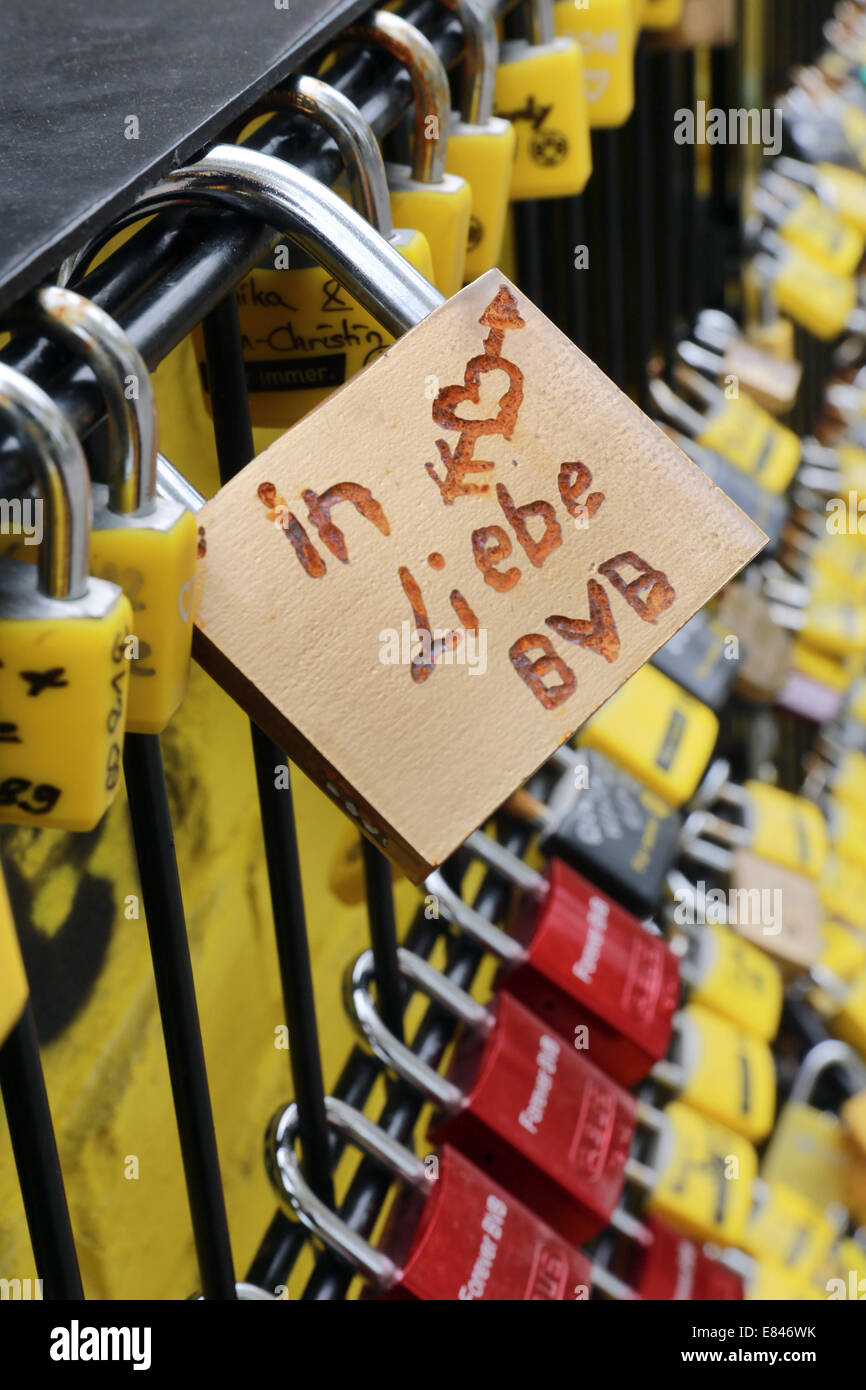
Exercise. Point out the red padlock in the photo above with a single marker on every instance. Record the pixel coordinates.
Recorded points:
(672, 1268)
(518, 1100)
(452, 1233)
(578, 960)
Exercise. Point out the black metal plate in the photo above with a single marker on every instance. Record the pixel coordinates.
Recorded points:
(71, 74)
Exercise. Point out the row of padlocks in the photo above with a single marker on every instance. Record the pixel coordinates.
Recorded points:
(636, 832)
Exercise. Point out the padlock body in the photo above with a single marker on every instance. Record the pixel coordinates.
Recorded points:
(153, 561)
(596, 976)
(739, 982)
(753, 441)
(849, 1023)
(483, 156)
(468, 1239)
(808, 1152)
(540, 90)
(775, 909)
(673, 1268)
(704, 1177)
(662, 14)
(442, 212)
(729, 1075)
(65, 682)
(785, 1228)
(814, 297)
(617, 834)
(304, 334)
(700, 660)
(541, 1119)
(786, 828)
(605, 30)
(820, 233)
(13, 981)
(657, 732)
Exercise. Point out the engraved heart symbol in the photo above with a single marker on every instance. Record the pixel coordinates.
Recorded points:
(450, 398)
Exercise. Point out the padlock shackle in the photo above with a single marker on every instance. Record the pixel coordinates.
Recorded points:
(674, 408)
(307, 211)
(476, 927)
(353, 135)
(701, 358)
(94, 336)
(389, 1049)
(480, 59)
(509, 866)
(409, 46)
(542, 25)
(322, 1221)
(58, 462)
(829, 1053)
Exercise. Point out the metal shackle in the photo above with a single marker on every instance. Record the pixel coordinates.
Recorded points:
(829, 1053)
(476, 927)
(321, 1220)
(542, 22)
(409, 46)
(61, 473)
(88, 331)
(309, 213)
(389, 1049)
(350, 131)
(480, 59)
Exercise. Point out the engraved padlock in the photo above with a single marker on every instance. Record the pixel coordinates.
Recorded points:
(451, 1233)
(304, 332)
(540, 88)
(139, 541)
(64, 637)
(578, 961)
(607, 825)
(481, 146)
(424, 195)
(517, 1099)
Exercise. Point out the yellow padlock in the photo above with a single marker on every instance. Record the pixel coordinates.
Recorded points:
(857, 702)
(848, 1021)
(814, 297)
(481, 146)
(770, 1283)
(424, 196)
(787, 1229)
(853, 1115)
(847, 189)
(846, 829)
(540, 89)
(843, 954)
(808, 224)
(746, 434)
(786, 828)
(808, 1150)
(143, 543)
(65, 677)
(701, 1177)
(303, 332)
(849, 780)
(657, 732)
(736, 980)
(842, 889)
(662, 14)
(724, 1073)
(607, 33)
(836, 672)
(13, 981)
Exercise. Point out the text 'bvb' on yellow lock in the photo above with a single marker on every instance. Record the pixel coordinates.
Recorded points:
(481, 146)
(540, 88)
(606, 32)
(657, 732)
(64, 677)
(424, 195)
(143, 543)
(700, 1176)
(303, 333)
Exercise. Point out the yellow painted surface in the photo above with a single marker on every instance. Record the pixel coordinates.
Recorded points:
(87, 955)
